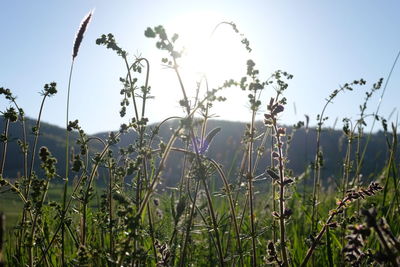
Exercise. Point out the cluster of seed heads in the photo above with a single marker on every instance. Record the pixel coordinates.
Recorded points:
(352, 195)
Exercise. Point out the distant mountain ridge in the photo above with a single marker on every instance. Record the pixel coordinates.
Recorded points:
(225, 148)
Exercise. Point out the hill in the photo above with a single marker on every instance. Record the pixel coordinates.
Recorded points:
(225, 148)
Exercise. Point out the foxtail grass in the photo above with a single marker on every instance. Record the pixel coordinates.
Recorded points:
(77, 43)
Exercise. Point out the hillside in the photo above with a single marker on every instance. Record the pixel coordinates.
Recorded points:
(225, 149)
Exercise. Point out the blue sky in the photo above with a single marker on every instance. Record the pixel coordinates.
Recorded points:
(322, 43)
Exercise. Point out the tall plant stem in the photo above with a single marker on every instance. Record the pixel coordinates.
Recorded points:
(66, 166)
(358, 165)
(232, 208)
(66, 123)
(142, 129)
(110, 210)
(391, 170)
(317, 174)
(156, 174)
(345, 181)
(250, 186)
(131, 87)
(377, 111)
(183, 182)
(316, 241)
(317, 167)
(215, 224)
(24, 144)
(25, 164)
(273, 188)
(182, 260)
(64, 211)
(146, 85)
(228, 192)
(318, 157)
(32, 235)
(342, 205)
(281, 198)
(209, 200)
(5, 144)
(37, 132)
(151, 228)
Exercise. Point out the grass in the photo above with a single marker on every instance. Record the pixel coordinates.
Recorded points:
(12, 205)
(133, 221)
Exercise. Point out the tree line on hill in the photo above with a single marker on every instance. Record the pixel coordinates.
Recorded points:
(226, 148)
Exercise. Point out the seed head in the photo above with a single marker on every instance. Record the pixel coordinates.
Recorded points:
(79, 35)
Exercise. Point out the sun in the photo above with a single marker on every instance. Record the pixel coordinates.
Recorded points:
(212, 48)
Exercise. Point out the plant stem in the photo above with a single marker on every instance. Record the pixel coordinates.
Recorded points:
(182, 260)
(5, 143)
(281, 198)
(110, 210)
(66, 166)
(250, 185)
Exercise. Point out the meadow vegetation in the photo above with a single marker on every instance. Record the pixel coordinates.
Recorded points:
(268, 217)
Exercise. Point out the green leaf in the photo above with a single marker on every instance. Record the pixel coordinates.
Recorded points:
(273, 174)
(211, 135)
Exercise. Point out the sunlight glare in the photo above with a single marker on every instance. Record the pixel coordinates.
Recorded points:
(219, 56)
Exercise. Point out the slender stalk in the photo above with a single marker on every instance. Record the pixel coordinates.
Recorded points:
(19, 193)
(173, 242)
(232, 209)
(273, 188)
(215, 224)
(345, 181)
(64, 211)
(67, 122)
(131, 88)
(262, 145)
(316, 241)
(358, 164)
(25, 166)
(209, 200)
(66, 164)
(377, 112)
(33, 228)
(151, 228)
(146, 84)
(24, 144)
(155, 176)
(362, 193)
(250, 186)
(182, 261)
(5, 143)
(318, 158)
(281, 197)
(37, 133)
(110, 210)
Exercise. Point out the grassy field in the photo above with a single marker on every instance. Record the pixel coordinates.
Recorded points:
(11, 205)
(133, 220)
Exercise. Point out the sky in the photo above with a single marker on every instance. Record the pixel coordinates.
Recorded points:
(324, 44)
